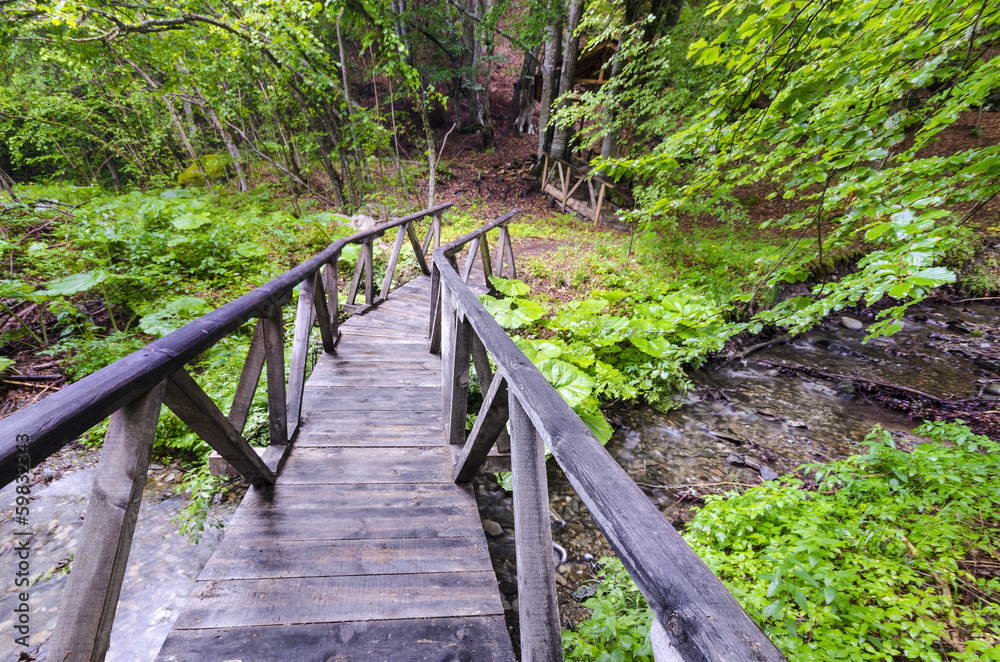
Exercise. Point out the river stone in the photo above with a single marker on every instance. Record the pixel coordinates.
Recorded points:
(767, 473)
(992, 389)
(752, 462)
(492, 528)
(846, 388)
(797, 424)
(851, 323)
(734, 459)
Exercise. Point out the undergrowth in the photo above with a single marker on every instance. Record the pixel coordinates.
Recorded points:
(892, 556)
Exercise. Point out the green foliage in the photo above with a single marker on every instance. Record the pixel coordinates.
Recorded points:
(830, 104)
(201, 487)
(213, 165)
(618, 629)
(877, 563)
(642, 347)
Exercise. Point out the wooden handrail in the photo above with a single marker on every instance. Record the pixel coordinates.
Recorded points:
(696, 616)
(52, 422)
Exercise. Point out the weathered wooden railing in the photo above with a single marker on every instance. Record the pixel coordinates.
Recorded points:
(132, 390)
(696, 617)
(571, 178)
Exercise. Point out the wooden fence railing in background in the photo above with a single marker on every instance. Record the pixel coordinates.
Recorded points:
(696, 617)
(571, 178)
(132, 390)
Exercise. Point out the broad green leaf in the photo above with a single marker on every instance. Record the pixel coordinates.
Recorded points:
(76, 283)
(173, 316)
(573, 384)
(512, 313)
(510, 288)
(190, 221)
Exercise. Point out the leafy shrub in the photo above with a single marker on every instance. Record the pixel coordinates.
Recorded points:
(618, 630)
(877, 563)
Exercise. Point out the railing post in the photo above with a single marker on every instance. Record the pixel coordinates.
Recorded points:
(300, 351)
(456, 349)
(87, 613)
(434, 323)
(331, 278)
(538, 609)
(274, 351)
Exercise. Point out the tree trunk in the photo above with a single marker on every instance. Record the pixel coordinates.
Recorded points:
(571, 48)
(553, 44)
(523, 105)
(609, 143)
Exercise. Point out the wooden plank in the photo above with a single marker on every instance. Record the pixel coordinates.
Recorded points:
(328, 335)
(481, 361)
(501, 247)
(484, 252)
(332, 398)
(87, 612)
(600, 203)
(434, 323)
(418, 251)
(274, 351)
(249, 378)
(388, 320)
(355, 465)
(390, 269)
(369, 257)
(456, 348)
(331, 277)
(509, 251)
(411, 378)
(491, 421)
(480, 638)
(538, 611)
(343, 558)
(371, 497)
(352, 289)
(356, 523)
(243, 602)
(321, 422)
(304, 317)
(471, 259)
(193, 406)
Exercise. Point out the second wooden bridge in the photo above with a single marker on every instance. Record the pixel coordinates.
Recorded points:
(361, 539)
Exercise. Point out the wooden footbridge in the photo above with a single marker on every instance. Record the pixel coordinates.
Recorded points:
(361, 539)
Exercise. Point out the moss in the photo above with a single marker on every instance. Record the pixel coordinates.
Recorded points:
(214, 166)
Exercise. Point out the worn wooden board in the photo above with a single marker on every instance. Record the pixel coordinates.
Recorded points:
(355, 465)
(257, 559)
(335, 398)
(481, 638)
(379, 496)
(242, 602)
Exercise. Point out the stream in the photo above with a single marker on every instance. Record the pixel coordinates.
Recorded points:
(740, 424)
(750, 421)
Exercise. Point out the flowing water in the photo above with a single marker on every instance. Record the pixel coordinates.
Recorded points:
(162, 568)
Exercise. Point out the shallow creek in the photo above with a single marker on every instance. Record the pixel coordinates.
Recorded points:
(739, 425)
(748, 422)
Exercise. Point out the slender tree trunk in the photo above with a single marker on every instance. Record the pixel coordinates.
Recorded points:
(609, 143)
(571, 48)
(431, 150)
(523, 105)
(553, 44)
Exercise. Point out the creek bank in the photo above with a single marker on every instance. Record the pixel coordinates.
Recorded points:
(754, 419)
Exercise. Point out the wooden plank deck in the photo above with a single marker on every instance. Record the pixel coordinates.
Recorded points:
(364, 549)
